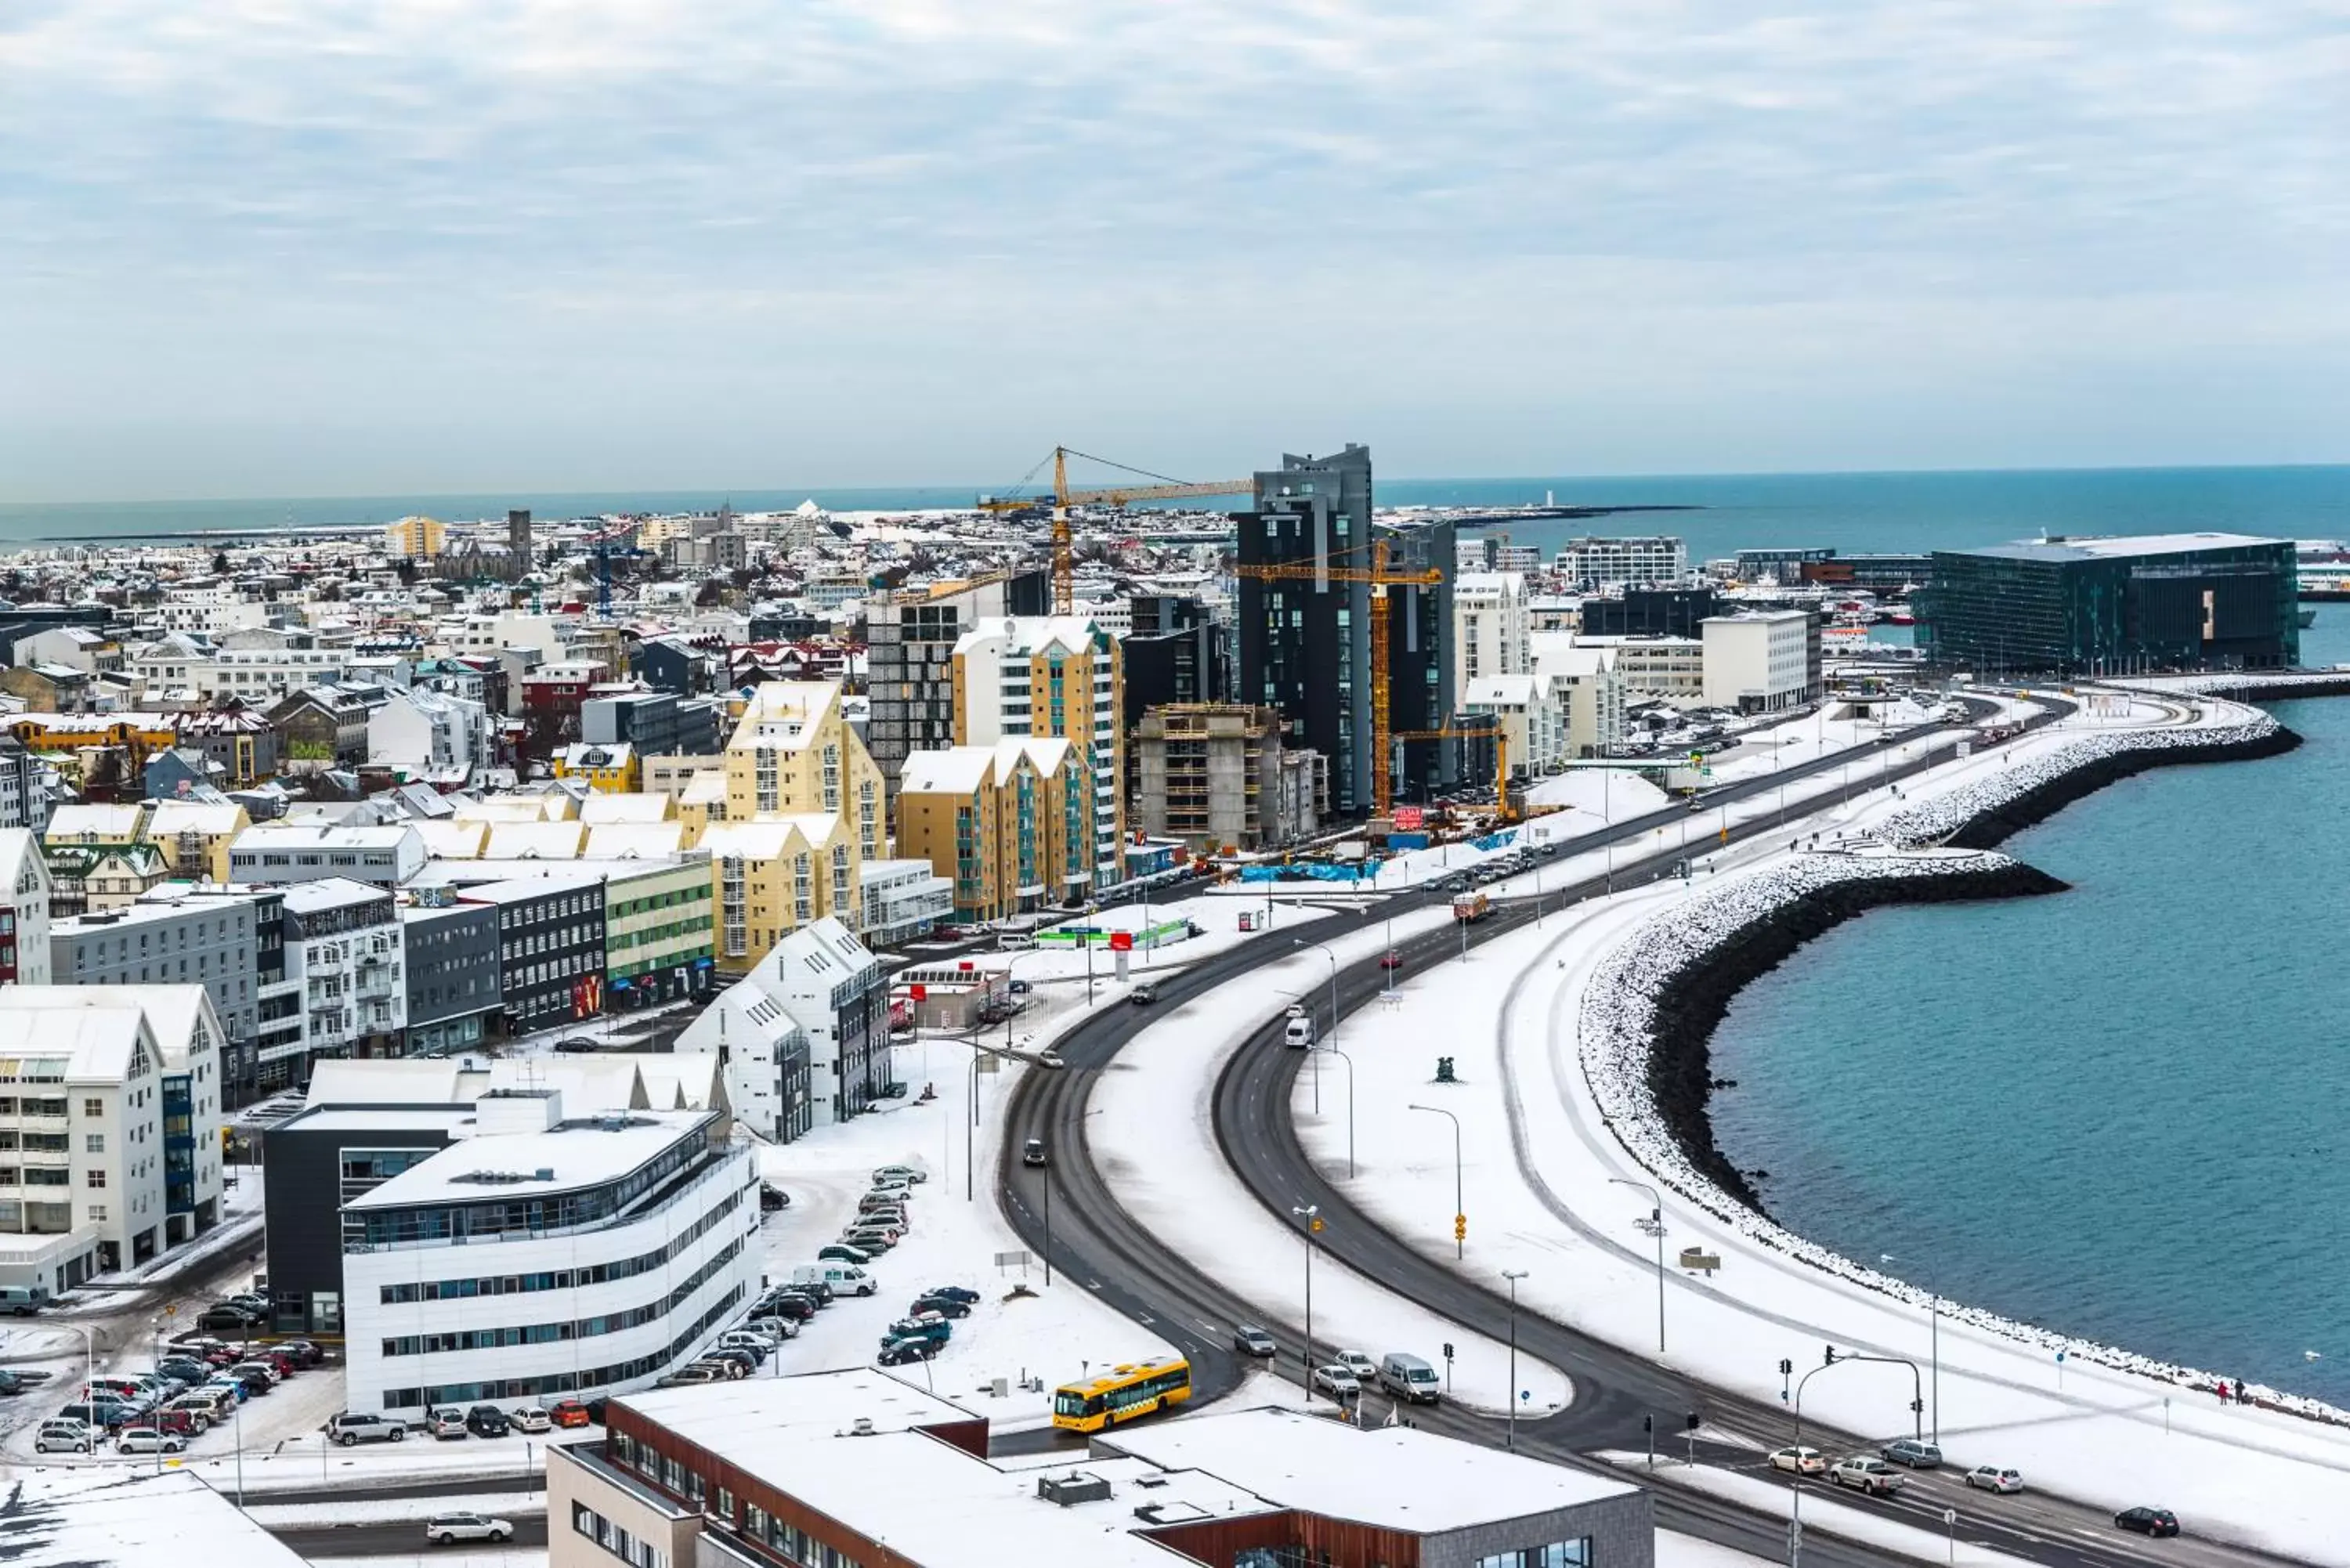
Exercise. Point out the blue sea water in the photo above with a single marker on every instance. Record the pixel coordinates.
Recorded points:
(1852, 511)
(2117, 1111)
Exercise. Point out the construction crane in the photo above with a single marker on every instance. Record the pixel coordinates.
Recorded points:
(1381, 576)
(1461, 729)
(1158, 488)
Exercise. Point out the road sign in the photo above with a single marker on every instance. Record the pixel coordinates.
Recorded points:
(1121, 941)
(919, 993)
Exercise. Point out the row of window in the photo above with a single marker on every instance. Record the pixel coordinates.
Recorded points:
(531, 1216)
(1575, 1554)
(567, 1382)
(561, 1279)
(569, 1328)
(617, 1541)
(755, 1523)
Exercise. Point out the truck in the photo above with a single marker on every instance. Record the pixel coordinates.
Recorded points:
(1469, 908)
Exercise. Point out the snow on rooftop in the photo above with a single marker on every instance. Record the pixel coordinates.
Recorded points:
(578, 1154)
(766, 1424)
(1396, 1478)
(134, 1517)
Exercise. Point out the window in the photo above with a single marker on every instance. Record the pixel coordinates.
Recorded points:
(93, 1107)
(95, 1178)
(97, 1212)
(94, 1143)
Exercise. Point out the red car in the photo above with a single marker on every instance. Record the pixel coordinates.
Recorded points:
(1393, 959)
(567, 1413)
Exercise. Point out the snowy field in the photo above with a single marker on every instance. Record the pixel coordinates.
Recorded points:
(1539, 1196)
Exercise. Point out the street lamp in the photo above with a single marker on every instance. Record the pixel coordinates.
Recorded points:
(1302, 942)
(1656, 1225)
(1513, 1276)
(1934, 1332)
(1459, 1214)
(1311, 1214)
(1350, 1106)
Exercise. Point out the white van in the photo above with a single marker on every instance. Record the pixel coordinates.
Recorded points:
(1409, 1377)
(846, 1279)
(20, 1300)
(1299, 1034)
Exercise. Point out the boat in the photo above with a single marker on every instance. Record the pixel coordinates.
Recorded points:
(2305, 618)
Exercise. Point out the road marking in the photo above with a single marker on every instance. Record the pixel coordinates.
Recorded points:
(1093, 1284)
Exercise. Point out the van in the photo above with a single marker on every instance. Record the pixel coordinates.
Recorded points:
(1299, 1034)
(1409, 1377)
(846, 1279)
(20, 1300)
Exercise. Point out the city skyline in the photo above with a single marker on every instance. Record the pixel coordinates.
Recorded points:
(260, 251)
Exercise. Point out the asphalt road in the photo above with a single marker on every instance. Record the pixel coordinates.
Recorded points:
(404, 1537)
(1069, 1215)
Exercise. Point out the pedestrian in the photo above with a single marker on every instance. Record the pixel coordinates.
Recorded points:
(2224, 1391)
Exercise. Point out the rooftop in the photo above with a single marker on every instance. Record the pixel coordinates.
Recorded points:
(2112, 547)
(766, 1425)
(579, 1153)
(330, 893)
(134, 1517)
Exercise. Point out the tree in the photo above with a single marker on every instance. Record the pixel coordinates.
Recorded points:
(219, 563)
(711, 592)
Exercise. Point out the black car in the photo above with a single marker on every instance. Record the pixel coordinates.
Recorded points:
(227, 1318)
(575, 1045)
(954, 1294)
(901, 1352)
(595, 1409)
(773, 1198)
(486, 1421)
(796, 1308)
(2157, 1522)
(303, 1352)
(945, 1306)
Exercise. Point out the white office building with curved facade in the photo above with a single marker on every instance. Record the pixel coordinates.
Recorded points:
(545, 1256)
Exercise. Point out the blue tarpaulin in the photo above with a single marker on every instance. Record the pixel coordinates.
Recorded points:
(1307, 871)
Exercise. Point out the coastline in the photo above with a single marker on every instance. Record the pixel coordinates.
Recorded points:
(1649, 1019)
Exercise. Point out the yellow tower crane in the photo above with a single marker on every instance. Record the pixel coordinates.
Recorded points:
(1381, 576)
(1459, 731)
(1157, 488)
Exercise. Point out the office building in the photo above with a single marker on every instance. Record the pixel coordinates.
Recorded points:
(1667, 669)
(658, 930)
(1785, 565)
(288, 851)
(1218, 774)
(910, 658)
(623, 1239)
(1648, 612)
(451, 950)
(2097, 606)
(815, 1469)
(550, 945)
(1057, 675)
(1594, 563)
(1760, 662)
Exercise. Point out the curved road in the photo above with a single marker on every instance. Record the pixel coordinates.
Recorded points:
(1093, 1238)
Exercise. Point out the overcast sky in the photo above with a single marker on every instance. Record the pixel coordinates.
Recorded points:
(258, 247)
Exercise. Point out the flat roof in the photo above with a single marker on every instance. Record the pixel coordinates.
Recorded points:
(135, 1518)
(2110, 546)
(1396, 1478)
(448, 1118)
(766, 1424)
(582, 1152)
(327, 892)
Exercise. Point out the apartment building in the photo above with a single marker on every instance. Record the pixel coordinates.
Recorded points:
(429, 735)
(344, 957)
(834, 988)
(1013, 824)
(1594, 563)
(910, 661)
(1490, 628)
(290, 852)
(1217, 774)
(1762, 661)
(658, 930)
(195, 836)
(1532, 724)
(170, 939)
(550, 945)
(451, 950)
(1051, 676)
(1671, 669)
(25, 897)
(546, 1255)
(772, 876)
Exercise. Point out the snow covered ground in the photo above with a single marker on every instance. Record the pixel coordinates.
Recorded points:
(1597, 796)
(1823, 1515)
(1545, 1149)
(1155, 1147)
(1834, 727)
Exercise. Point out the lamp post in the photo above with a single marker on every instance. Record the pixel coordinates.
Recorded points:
(1302, 942)
(1350, 1106)
(1311, 1214)
(1513, 1276)
(1934, 1341)
(1459, 1214)
(89, 1352)
(155, 1343)
(1656, 1225)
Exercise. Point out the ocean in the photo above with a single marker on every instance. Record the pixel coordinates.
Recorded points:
(2117, 1112)
(1851, 512)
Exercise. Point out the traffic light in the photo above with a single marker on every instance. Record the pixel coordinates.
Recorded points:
(1694, 1421)
(1461, 1228)
(1447, 1350)
(1648, 1423)
(1831, 1360)
(1787, 1368)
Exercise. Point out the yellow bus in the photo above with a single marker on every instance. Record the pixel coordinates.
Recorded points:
(1122, 1394)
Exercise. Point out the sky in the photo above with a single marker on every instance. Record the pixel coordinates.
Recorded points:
(270, 247)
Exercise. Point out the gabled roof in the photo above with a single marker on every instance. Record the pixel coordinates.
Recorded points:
(950, 769)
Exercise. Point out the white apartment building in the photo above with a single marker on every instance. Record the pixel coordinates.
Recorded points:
(1583, 682)
(291, 852)
(546, 1255)
(1759, 661)
(109, 1127)
(761, 1053)
(1671, 669)
(550, 637)
(253, 674)
(212, 611)
(1489, 627)
(429, 735)
(1592, 563)
(345, 951)
(1530, 722)
(25, 890)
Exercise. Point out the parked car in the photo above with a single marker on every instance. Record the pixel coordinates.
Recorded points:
(188, 1369)
(842, 1252)
(253, 1302)
(303, 1350)
(883, 1200)
(1801, 1460)
(778, 1329)
(229, 1319)
(1864, 1473)
(447, 1424)
(353, 1428)
(789, 1304)
(147, 1439)
(871, 1239)
(954, 1292)
(928, 1324)
(447, 1529)
(903, 1172)
(905, 1352)
(733, 1362)
(103, 1413)
(65, 1435)
(574, 1045)
(566, 1414)
(1033, 1152)
(773, 1199)
(1250, 1340)
(1337, 1382)
(1995, 1478)
(1914, 1452)
(945, 1306)
(685, 1376)
(179, 1423)
(2153, 1521)
(487, 1421)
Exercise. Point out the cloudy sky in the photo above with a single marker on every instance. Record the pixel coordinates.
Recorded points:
(258, 247)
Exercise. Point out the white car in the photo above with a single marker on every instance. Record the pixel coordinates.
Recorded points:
(1864, 1473)
(1803, 1461)
(148, 1440)
(1365, 1369)
(444, 1529)
(530, 1418)
(1338, 1382)
(1995, 1478)
(898, 1173)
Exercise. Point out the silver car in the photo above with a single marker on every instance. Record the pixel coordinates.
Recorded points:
(2003, 1478)
(445, 1529)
